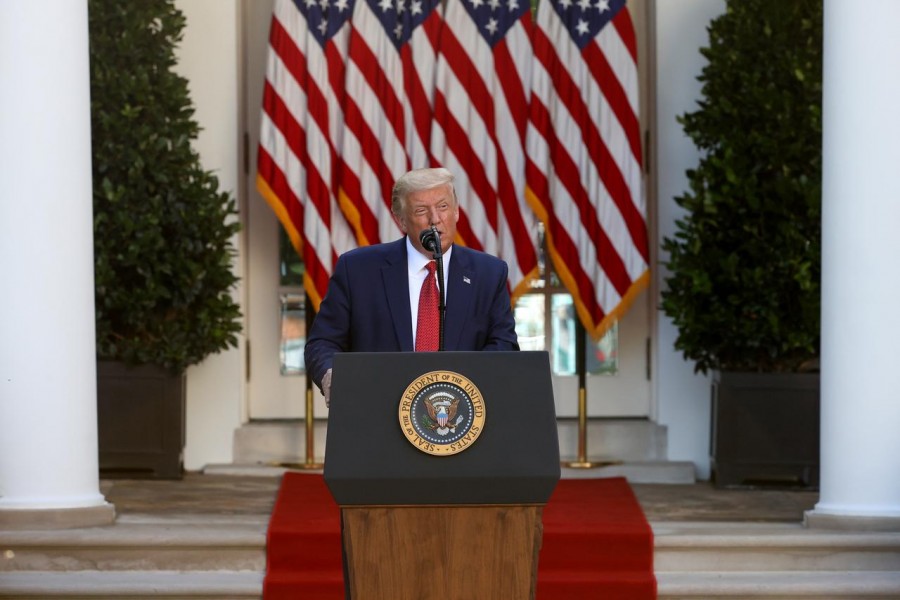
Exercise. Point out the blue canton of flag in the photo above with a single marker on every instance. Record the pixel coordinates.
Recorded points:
(585, 18)
(495, 17)
(325, 17)
(400, 17)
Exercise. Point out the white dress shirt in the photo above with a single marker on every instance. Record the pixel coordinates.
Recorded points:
(417, 272)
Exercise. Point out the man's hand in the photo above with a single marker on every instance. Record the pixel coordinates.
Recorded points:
(326, 387)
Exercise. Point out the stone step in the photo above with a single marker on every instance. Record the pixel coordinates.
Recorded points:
(637, 446)
(246, 585)
(132, 585)
(789, 585)
(662, 471)
(192, 543)
(190, 556)
(728, 547)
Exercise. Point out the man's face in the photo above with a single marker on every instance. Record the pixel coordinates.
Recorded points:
(425, 208)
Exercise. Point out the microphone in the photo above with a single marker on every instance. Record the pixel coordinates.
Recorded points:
(431, 239)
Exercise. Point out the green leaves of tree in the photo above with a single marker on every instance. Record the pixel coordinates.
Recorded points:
(162, 229)
(744, 261)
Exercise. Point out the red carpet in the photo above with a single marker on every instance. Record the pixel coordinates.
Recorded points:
(597, 543)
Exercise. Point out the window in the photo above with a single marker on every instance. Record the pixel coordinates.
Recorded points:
(293, 307)
(546, 319)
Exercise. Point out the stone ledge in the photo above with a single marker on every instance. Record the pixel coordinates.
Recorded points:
(57, 518)
(132, 584)
(834, 585)
(764, 535)
(174, 531)
(650, 471)
(658, 471)
(819, 520)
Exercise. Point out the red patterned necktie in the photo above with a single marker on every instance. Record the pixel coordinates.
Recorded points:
(428, 324)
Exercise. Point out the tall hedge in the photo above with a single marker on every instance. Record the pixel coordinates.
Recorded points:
(744, 261)
(162, 228)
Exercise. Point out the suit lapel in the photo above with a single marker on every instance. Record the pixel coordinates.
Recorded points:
(460, 292)
(396, 287)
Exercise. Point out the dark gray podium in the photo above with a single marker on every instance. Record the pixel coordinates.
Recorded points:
(463, 525)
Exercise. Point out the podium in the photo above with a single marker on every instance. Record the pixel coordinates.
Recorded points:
(427, 519)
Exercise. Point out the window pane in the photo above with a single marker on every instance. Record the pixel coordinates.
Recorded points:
(291, 267)
(293, 334)
(529, 316)
(562, 343)
(603, 356)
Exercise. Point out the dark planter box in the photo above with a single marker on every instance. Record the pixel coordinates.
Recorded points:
(140, 421)
(765, 430)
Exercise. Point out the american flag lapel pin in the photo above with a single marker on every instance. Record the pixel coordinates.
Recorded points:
(466, 279)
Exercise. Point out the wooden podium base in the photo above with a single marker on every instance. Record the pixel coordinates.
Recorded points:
(442, 552)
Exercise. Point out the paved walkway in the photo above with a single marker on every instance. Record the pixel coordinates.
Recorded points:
(252, 495)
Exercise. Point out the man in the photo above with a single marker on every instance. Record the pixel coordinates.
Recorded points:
(368, 307)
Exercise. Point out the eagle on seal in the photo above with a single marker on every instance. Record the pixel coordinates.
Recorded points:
(441, 410)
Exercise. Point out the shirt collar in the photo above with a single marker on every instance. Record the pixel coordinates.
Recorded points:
(416, 261)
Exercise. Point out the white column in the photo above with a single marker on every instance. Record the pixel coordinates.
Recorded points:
(860, 446)
(48, 415)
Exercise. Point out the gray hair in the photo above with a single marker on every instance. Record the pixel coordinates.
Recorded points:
(416, 181)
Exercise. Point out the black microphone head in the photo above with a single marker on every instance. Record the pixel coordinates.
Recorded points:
(429, 238)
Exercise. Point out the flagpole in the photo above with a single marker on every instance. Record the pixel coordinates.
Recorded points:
(582, 462)
(309, 420)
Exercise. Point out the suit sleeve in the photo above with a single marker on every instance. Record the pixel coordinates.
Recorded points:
(330, 331)
(502, 334)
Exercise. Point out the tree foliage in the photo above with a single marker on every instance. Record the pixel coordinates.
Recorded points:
(744, 261)
(162, 228)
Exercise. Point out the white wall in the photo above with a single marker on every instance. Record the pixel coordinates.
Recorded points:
(209, 58)
(683, 398)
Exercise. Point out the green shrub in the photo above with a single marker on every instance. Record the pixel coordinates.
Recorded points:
(744, 261)
(162, 230)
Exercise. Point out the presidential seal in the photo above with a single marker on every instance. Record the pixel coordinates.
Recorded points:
(441, 413)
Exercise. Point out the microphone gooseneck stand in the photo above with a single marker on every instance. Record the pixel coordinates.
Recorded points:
(437, 254)
(431, 240)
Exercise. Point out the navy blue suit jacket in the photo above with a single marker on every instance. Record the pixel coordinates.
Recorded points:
(366, 308)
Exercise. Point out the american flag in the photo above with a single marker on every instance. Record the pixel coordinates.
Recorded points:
(481, 112)
(584, 154)
(300, 131)
(389, 90)
(528, 116)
